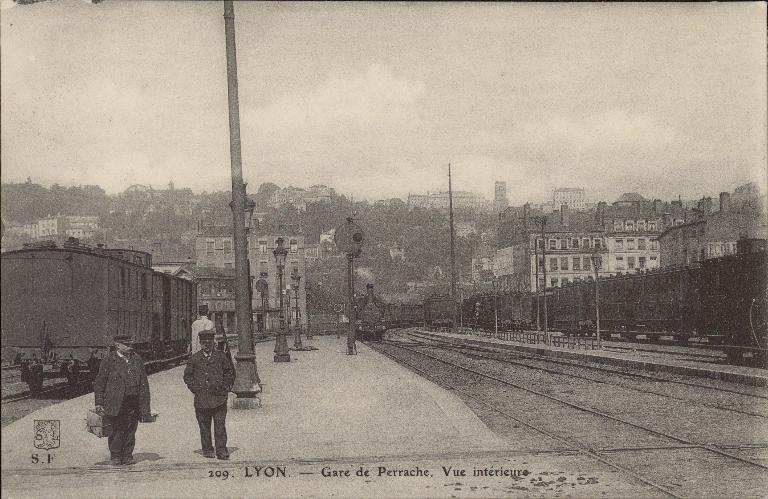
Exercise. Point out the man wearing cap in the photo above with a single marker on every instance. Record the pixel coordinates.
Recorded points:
(122, 397)
(203, 323)
(210, 376)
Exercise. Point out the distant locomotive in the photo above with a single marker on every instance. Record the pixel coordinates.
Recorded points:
(370, 317)
(61, 307)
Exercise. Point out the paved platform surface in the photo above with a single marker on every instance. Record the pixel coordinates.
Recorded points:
(322, 411)
(642, 360)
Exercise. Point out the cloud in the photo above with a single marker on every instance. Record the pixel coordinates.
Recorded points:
(610, 129)
(370, 100)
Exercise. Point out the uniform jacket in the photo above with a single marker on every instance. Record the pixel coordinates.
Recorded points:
(209, 379)
(110, 385)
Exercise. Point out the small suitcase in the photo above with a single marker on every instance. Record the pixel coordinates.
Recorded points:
(95, 423)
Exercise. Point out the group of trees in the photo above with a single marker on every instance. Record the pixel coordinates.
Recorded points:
(171, 216)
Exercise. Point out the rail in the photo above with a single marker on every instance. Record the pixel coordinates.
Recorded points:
(530, 337)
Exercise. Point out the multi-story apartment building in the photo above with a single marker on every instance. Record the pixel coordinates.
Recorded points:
(462, 200)
(632, 226)
(81, 227)
(572, 196)
(564, 252)
(714, 234)
(299, 197)
(216, 289)
(48, 227)
(214, 248)
(58, 227)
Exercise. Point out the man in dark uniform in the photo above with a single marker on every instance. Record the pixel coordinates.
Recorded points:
(122, 397)
(210, 375)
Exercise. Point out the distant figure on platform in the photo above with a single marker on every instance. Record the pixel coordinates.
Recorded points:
(121, 390)
(210, 376)
(203, 323)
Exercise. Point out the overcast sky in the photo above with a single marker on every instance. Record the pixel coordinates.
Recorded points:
(376, 99)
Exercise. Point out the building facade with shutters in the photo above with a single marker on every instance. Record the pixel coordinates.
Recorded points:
(214, 249)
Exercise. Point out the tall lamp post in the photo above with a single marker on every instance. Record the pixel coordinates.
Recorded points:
(246, 384)
(307, 294)
(596, 263)
(281, 344)
(296, 278)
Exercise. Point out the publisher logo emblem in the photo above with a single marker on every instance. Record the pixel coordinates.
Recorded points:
(47, 434)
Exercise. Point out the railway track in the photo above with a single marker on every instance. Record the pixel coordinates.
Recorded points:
(565, 420)
(545, 364)
(18, 405)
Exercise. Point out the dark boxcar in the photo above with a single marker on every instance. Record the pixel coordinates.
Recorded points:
(61, 307)
(439, 311)
(734, 302)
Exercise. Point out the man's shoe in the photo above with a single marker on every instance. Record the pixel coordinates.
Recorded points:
(115, 461)
(128, 461)
(223, 457)
(209, 454)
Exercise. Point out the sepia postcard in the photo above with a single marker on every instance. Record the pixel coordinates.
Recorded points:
(383, 249)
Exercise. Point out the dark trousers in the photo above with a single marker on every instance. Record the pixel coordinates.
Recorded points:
(123, 437)
(219, 416)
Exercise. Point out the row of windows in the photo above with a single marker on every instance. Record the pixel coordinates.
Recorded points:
(566, 263)
(632, 225)
(210, 246)
(572, 243)
(642, 244)
(640, 263)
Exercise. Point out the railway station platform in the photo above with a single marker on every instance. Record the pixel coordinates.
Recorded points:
(330, 424)
(673, 361)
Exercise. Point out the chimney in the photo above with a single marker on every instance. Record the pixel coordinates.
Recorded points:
(564, 214)
(725, 201)
(656, 206)
(601, 212)
(526, 211)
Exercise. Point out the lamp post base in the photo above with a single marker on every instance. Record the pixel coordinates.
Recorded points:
(281, 348)
(246, 385)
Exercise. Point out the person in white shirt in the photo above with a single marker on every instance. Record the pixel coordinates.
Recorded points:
(203, 323)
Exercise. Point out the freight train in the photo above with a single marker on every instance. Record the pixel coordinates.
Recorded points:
(724, 300)
(61, 307)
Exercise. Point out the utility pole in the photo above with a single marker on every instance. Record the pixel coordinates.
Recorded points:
(544, 255)
(246, 376)
(538, 295)
(453, 252)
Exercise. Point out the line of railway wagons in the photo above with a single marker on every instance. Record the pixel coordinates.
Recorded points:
(61, 307)
(724, 300)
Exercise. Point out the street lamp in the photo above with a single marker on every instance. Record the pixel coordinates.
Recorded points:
(296, 278)
(307, 294)
(281, 345)
(596, 263)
